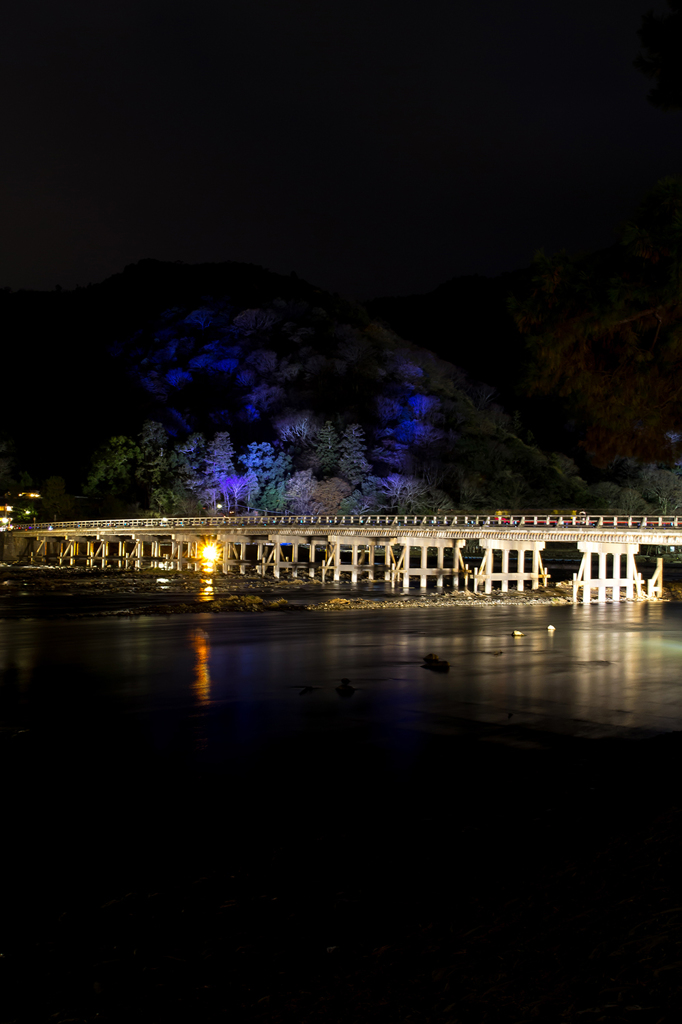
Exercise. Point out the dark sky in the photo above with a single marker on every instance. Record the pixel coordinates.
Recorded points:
(373, 146)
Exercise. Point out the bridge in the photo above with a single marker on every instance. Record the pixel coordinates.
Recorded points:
(366, 547)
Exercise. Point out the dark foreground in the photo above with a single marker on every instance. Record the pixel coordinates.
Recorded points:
(492, 876)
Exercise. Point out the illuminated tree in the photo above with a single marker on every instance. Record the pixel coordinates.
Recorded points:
(238, 490)
(219, 464)
(300, 493)
(327, 448)
(271, 469)
(353, 464)
(663, 489)
(329, 494)
(158, 463)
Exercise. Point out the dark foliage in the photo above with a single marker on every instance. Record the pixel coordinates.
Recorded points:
(661, 56)
(605, 332)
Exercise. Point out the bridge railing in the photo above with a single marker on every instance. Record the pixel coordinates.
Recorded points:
(461, 519)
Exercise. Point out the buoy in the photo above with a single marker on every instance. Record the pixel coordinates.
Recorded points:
(551, 628)
(517, 632)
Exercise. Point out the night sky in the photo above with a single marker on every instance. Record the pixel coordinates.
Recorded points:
(372, 146)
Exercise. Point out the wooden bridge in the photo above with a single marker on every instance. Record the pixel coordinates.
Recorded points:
(393, 548)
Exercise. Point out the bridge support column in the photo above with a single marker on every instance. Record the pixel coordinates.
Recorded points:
(440, 567)
(405, 563)
(537, 569)
(458, 565)
(615, 583)
(424, 562)
(370, 560)
(505, 570)
(654, 586)
(601, 589)
(521, 566)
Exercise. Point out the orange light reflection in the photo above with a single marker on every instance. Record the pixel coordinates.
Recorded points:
(201, 685)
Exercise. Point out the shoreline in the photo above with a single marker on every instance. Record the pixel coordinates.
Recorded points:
(173, 593)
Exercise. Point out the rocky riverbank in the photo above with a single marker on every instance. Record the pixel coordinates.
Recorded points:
(172, 592)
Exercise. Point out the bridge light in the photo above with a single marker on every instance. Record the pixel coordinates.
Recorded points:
(210, 553)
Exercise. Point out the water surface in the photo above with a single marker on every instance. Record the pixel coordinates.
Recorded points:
(610, 670)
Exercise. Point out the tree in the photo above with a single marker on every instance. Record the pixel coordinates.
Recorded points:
(56, 502)
(329, 494)
(271, 469)
(156, 461)
(371, 497)
(112, 468)
(239, 489)
(192, 461)
(300, 493)
(298, 429)
(6, 460)
(219, 464)
(327, 448)
(404, 494)
(605, 332)
(353, 464)
(663, 489)
(661, 59)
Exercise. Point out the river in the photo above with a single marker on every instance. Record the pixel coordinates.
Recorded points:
(603, 671)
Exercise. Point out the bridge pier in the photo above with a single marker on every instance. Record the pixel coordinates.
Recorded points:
(631, 582)
(486, 574)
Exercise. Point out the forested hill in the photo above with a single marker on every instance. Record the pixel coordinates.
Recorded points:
(62, 392)
(270, 360)
(169, 386)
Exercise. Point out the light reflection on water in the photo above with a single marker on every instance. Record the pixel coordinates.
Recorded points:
(606, 670)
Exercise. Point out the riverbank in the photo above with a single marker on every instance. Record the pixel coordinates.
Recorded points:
(30, 591)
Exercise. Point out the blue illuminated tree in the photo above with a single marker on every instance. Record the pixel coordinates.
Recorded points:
(218, 465)
(271, 468)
